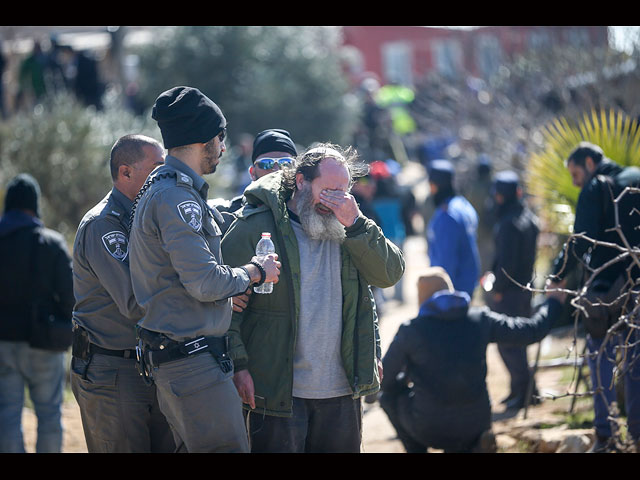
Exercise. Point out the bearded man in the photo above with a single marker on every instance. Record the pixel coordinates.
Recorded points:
(306, 354)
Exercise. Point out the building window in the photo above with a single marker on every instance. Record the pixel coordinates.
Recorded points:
(447, 57)
(488, 55)
(539, 40)
(397, 63)
(577, 37)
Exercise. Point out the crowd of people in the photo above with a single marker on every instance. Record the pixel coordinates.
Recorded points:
(47, 71)
(172, 349)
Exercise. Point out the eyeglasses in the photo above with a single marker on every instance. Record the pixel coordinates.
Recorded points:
(270, 163)
(222, 135)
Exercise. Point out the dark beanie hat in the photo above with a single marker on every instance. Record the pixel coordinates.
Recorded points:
(23, 192)
(506, 183)
(273, 140)
(441, 172)
(185, 116)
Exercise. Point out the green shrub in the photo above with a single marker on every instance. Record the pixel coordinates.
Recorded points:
(66, 147)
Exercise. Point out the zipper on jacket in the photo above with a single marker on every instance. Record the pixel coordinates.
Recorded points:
(355, 340)
(292, 301)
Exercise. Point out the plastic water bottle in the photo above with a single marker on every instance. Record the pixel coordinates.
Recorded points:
(265, 246)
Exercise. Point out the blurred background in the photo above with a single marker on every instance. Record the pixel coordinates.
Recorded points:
(401, 95)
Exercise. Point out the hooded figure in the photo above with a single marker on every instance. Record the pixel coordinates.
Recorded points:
(36, 272)
(434, 388)
(515, 240)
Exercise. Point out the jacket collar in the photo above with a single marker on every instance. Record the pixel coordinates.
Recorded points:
(121, 202)
(198, 182)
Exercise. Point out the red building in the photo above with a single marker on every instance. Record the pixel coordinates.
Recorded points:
(406, 53)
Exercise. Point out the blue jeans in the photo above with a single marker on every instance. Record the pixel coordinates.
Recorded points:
(43, 373)
(602, 401)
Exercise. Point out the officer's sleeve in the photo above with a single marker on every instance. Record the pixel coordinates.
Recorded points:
(379, 261)
(182, 238)
(521, 330)
(106, 251)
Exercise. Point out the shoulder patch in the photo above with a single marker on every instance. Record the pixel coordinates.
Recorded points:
(191, 212)
(184, 179)
(117, 244)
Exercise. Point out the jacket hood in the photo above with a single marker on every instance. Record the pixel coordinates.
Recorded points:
(445, 304)
(266, 191)
(15, 220)
(607, 167)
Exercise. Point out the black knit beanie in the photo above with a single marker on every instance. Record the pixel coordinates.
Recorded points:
(273, 140)
(185, 116)
(23, 192)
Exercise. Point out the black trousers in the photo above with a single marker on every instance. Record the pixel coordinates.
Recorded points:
(332, 425)
(515, 302)
(452, 430)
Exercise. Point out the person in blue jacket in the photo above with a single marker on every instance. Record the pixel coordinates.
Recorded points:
(434, 387)
(452, 230)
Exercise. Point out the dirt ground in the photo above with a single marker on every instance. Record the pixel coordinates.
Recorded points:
(378, 435)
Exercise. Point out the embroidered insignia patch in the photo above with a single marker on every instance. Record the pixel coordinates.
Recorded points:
(117, 244)
(191, 213)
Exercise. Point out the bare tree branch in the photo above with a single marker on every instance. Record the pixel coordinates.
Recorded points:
(622, 335)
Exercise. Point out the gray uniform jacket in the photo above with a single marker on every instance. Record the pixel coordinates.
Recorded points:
(105, 304)
(177, 270)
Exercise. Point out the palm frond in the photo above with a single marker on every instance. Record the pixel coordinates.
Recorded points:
(547, 178)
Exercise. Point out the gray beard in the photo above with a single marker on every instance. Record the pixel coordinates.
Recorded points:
(315, 225)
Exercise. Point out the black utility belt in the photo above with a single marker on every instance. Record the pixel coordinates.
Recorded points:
(131, 353)
(156, 348)
(82, 348)
(178, 350)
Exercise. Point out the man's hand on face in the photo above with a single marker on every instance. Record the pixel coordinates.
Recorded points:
(342, 204)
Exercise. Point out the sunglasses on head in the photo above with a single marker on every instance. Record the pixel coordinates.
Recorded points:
(270, 163)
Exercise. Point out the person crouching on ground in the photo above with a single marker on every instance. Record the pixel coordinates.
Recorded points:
(434, 389)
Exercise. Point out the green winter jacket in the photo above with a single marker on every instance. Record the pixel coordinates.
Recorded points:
(262, 337)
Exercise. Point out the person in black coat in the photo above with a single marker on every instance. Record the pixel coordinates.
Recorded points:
(614, 283)
(36, 265)
(515, 237)
(434, 387)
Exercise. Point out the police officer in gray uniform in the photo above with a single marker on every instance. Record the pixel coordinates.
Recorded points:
(179, 278)
(120, 413)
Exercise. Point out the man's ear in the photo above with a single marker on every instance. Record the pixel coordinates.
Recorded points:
(590, 164)
(124, 172)
(252, 174)
(299, 180)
